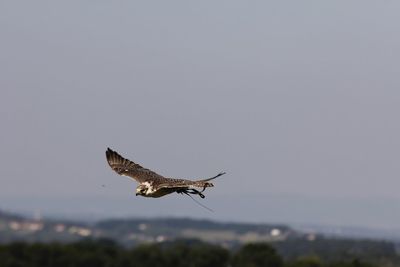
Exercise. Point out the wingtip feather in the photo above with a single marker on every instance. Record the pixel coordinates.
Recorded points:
(110, 154)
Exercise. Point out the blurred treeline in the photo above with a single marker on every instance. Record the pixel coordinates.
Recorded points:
(106, 253)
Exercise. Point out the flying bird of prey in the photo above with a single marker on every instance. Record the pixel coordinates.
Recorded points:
(152, 184)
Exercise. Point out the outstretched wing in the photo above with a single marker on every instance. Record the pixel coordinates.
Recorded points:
(129, 168)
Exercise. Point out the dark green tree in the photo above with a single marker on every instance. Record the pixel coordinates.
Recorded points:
(208, 255)
(143, 256)
(354, 263)
(181, 254)
(257, 255)
(309, 261)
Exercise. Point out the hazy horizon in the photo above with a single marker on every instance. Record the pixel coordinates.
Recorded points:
(289, 98)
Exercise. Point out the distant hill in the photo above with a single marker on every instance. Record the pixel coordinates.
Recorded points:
(7, 216)
(131, 230)
(137, 230)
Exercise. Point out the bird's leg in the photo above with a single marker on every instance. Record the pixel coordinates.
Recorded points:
(192, 191)
(197, 192)
(204, 187)
(181, 191)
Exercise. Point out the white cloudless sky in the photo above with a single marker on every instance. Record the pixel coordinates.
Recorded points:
(295, 98)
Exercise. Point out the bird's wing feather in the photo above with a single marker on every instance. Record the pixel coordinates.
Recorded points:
(129, 168)
(177, 183)
(184, 183)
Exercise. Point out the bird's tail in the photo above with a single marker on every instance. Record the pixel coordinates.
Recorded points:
(212, 178)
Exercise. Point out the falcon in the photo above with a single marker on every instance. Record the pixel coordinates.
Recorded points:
(152, 184)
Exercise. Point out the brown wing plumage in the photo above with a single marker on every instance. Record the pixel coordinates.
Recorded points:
(129, 168)
(183, 183)
(176, 183)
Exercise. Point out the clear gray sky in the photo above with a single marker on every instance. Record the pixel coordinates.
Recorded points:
(295, 100)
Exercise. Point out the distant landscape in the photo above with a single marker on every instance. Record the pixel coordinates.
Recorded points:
(129, 233)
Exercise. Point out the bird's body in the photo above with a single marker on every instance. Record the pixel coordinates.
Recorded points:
(152, 184)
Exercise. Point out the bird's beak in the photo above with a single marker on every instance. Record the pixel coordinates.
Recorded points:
(137, 194)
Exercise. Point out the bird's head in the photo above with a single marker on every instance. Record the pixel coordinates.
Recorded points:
(141, 190)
